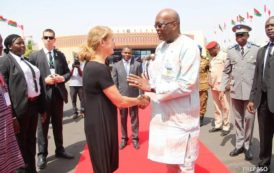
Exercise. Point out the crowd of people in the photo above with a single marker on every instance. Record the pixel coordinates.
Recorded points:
(175, 81)
(240, 80)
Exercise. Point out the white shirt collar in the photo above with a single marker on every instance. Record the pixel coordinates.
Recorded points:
(47, 51)
(124, 61)
(16, 56)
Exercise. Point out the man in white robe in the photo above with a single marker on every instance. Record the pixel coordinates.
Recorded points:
(174, 92)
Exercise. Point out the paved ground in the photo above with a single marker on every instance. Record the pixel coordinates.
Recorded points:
(74, 141)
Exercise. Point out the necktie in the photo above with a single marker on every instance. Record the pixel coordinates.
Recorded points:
(269, 54)
(51, 65)
(242, 51)
(270, 49)
(33, 75)
(266, 68)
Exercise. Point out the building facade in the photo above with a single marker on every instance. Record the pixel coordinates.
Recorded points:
(142, 42)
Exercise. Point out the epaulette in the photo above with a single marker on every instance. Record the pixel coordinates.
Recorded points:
(234, 46)
(253, 44)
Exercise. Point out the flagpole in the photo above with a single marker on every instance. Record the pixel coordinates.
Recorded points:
(23, 33)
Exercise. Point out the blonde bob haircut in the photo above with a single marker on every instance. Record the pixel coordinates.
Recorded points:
(95, 36)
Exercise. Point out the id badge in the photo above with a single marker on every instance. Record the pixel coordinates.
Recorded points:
(52, 71)
(7, 98)
(168, 72)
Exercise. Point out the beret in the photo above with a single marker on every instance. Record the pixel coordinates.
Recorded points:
(211, 45)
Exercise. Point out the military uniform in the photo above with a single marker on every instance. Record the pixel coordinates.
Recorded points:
(222, 109)
(203, 88)
(238, 75)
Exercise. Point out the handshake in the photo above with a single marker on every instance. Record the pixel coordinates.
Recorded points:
(143, 101)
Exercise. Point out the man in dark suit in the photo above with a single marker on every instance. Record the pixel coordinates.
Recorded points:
(261, 97)
(54, 72)
(120, 71)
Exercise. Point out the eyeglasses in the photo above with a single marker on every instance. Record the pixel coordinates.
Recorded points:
(48, 37)
(162, 25)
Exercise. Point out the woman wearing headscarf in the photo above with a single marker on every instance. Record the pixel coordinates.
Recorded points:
(25, 96)
(10, 155)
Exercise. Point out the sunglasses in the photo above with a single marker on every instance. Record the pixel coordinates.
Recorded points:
(48, 37)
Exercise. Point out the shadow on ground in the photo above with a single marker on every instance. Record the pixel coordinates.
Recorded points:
(65, 165)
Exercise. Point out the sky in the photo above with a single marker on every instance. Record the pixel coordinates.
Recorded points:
(76, 17)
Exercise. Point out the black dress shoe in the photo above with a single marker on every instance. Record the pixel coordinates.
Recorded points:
(75, 116)
(236, 152)
(41, 162)
(123, 144)
(64, 155)
(136, 144)
(201, 121)
(214, 130)
(20, 170)
(31, 170)
(248, 155)
(225, 132)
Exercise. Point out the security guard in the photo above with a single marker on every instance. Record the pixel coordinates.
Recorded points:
(203, 89)
(238, 75)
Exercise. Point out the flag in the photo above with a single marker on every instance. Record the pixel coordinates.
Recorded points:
(241, 18)
(257, 13)
(250, 17)
(21, 27)
(247, 15)
(12, 23)
(220, 28)
(269, 12)
(2, 19)
(233, 22)
(264, 8)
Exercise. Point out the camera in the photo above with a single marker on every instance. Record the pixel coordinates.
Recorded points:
(76, 62)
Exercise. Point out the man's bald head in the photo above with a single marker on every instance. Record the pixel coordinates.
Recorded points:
(167, 25)
(169, 14)
(270, 18)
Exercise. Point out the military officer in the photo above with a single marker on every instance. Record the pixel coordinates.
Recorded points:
(238, 75)
(203, 88)
(216, 67)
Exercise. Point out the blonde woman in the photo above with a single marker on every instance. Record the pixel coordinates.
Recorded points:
(101, 101)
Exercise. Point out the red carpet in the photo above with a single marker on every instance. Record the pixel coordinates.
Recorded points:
(135, 161)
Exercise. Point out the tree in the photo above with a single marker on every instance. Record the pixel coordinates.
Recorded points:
(29, 49)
